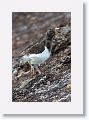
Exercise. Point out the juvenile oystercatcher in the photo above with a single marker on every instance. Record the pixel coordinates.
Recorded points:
(36, 59)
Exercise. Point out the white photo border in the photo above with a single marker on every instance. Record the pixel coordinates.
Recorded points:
(76, 9)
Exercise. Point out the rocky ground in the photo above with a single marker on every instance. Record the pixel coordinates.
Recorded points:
(28, 36)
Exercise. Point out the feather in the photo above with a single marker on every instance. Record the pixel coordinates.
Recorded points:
(36, 59)
(39, 58)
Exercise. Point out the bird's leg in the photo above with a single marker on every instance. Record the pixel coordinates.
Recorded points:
(32, 69)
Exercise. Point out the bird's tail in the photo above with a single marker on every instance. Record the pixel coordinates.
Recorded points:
(24, 59)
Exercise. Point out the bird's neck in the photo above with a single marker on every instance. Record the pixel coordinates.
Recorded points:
(49, 37)
(49, 45)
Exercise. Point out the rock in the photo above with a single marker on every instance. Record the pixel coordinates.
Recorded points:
(65, 59)
(54, 84)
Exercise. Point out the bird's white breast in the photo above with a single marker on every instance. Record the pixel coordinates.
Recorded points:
(37, 58)
(45, 54)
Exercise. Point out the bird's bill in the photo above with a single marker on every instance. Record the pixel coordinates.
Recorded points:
(56, 30)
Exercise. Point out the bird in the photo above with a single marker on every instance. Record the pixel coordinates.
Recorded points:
(35, 60)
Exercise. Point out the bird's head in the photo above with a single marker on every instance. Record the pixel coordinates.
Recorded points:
(50, 34)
